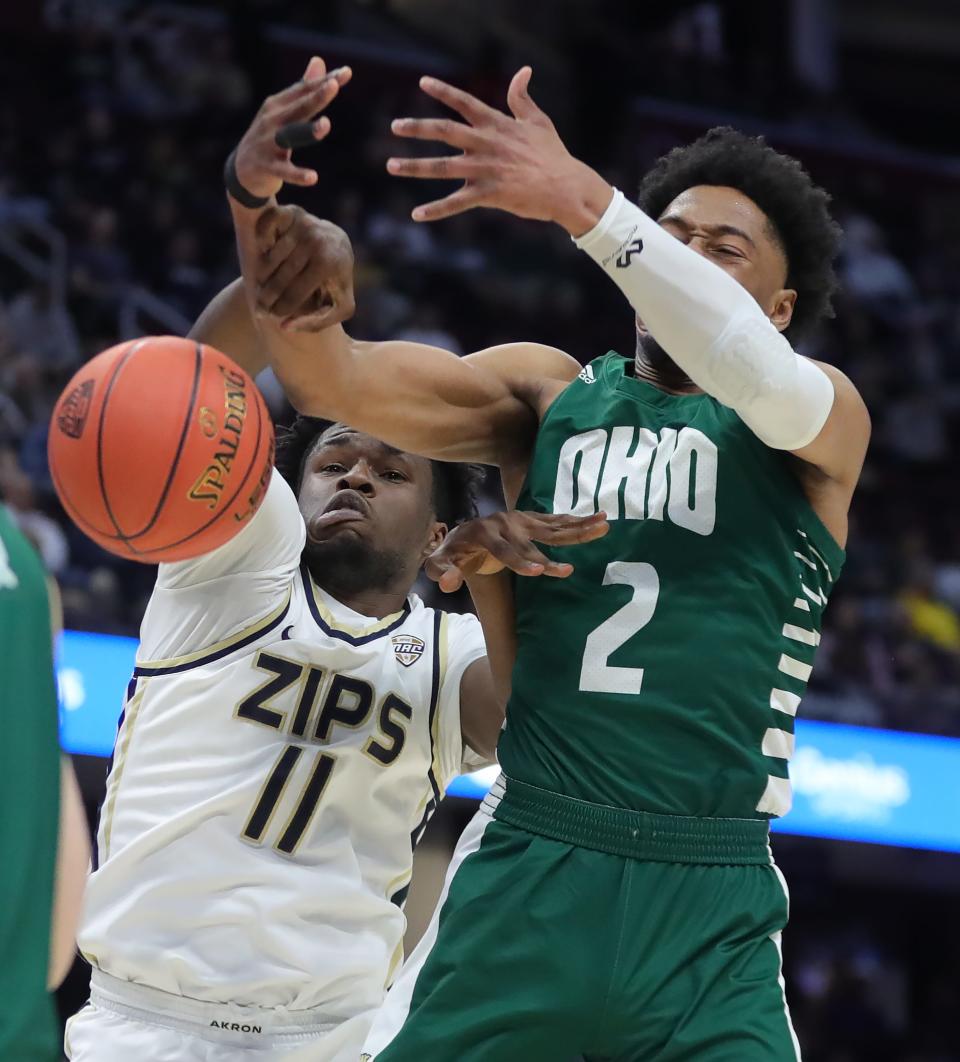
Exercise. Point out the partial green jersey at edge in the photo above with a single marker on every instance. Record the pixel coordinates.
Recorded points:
(665, 673)
(30, 796)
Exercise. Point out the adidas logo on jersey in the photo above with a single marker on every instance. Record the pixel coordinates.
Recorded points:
(407, 648)
(587, 375)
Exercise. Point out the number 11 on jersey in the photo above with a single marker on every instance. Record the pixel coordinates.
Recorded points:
(596, 675)
(273, 790)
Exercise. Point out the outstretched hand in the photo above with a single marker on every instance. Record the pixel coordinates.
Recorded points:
(489, 544)
(518, 164)
(263, 166)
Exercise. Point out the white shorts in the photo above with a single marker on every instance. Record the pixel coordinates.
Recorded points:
(124, 1022)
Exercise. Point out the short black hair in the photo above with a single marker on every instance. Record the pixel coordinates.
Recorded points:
(798, 210)
(454, 485)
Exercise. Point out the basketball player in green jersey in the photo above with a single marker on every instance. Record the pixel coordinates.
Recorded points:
(41, 878)
(616, 895)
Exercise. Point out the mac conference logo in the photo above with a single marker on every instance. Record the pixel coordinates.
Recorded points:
(407, 648)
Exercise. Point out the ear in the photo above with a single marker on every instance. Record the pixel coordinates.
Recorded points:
(781, 308)
(436, 533)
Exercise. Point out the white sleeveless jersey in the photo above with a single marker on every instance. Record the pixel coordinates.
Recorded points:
(278, 758)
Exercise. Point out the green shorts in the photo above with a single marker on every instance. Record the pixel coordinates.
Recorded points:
(650, 938)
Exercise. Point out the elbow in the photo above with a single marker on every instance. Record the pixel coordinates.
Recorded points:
(481, 735)
(485, 744)
(502, 692)
(62, 955)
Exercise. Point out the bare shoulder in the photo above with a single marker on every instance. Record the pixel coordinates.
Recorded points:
(841, 447)
(832, 463)
(847, 396)
(533, 372)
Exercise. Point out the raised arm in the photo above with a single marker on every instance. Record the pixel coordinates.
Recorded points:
(227, 325)
(706, 321)
(417, 397)
(483, 407)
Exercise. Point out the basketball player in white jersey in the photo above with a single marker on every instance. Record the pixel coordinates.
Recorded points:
(295, 715)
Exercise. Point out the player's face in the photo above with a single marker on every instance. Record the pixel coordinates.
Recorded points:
(367, 507)
(729, 228)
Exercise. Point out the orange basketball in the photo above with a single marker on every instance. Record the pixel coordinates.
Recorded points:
(161, 449)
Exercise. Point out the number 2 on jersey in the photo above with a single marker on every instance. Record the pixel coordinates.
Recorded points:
(273, 790)
(596, 675)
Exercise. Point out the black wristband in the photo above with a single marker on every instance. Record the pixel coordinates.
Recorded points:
(236, 189)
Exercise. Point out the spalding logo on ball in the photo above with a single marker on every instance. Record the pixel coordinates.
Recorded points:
(161, 449)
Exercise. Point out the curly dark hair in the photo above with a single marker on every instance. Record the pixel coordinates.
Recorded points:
(454, 485)
(797, 209)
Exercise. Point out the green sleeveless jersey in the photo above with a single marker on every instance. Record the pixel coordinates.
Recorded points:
(30, 797)
(665, 673)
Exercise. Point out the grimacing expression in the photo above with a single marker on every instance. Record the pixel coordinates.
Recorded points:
(729, 229)
(368, 510)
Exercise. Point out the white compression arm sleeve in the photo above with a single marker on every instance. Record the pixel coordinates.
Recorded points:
(712, 327)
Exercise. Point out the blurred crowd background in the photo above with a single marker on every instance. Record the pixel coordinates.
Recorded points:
(115, 119)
